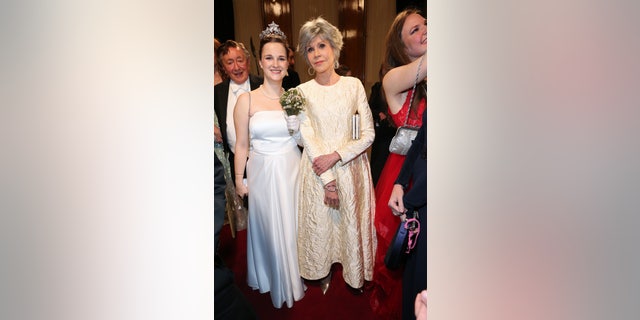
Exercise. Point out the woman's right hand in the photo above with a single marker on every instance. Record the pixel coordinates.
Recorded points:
(395, 200)
(217, 134)
(324, 162)
(241, 189)
(293, 123)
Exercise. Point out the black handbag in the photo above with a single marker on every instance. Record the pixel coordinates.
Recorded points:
(403, 241)
(395, 254)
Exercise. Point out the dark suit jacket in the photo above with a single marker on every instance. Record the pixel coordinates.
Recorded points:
(415, 169)
(292, 80)
(220, 99)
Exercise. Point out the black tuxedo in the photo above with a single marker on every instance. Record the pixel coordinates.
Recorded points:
(220, 99)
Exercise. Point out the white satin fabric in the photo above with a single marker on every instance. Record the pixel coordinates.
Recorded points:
(273, 183)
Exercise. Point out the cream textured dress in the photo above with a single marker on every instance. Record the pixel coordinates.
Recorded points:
(345, 235)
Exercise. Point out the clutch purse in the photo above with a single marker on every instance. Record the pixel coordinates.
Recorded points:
(401, 142)
(355, 126)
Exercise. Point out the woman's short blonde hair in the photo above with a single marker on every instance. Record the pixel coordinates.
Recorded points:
(326, 31)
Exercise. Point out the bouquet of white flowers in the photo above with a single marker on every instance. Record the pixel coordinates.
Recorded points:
(292, 102)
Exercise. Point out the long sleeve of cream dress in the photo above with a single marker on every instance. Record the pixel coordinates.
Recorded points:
(345, 235)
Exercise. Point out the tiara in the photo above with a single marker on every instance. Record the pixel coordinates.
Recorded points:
(272, 29)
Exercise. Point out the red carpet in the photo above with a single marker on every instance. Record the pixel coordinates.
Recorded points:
(340, 302)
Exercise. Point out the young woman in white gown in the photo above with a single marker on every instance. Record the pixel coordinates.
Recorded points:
(271, 157)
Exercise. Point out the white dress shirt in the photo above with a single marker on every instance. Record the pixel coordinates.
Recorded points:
(235, 90)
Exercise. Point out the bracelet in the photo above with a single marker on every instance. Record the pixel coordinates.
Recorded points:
(331, 188)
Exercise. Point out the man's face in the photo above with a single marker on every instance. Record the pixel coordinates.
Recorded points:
(236, 65)
(292, 58)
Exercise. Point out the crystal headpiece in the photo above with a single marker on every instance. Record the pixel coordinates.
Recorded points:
(272, 29)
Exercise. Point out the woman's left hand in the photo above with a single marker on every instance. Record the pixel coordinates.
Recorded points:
(331, 198)
(324, 162)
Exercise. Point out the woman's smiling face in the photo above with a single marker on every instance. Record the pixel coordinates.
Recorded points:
(274, 60)
(414, 35)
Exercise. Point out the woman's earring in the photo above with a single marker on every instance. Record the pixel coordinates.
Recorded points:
(311, 71)
(336, 64)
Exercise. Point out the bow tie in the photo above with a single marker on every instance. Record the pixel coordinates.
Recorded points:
(236, 88)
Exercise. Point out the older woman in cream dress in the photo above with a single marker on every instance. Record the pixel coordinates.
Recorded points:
(337, 202)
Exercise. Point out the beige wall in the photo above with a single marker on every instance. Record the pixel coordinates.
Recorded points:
(248, 25)
(380, 14)
(302, 11)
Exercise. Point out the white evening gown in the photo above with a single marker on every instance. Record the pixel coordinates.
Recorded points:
(273, 183)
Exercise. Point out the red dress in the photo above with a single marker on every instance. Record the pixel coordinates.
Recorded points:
(386, 299)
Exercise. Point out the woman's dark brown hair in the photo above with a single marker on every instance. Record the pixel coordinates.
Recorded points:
(395, 54)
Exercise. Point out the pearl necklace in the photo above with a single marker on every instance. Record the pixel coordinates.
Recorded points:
(264, 93)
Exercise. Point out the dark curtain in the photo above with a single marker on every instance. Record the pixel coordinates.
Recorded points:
(223, 20)
(403, 4)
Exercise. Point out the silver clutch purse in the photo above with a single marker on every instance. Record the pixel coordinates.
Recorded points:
(355, 126)
(401, 142)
